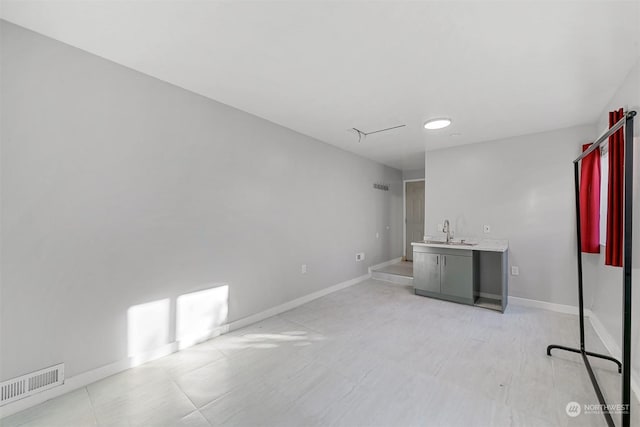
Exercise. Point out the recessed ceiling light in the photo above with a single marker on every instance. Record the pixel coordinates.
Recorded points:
(437, 123)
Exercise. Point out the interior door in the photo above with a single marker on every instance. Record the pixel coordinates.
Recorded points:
(414, 206)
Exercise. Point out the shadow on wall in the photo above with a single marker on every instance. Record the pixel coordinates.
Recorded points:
(199, 316)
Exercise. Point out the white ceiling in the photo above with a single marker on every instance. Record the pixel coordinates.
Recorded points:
(499, 69)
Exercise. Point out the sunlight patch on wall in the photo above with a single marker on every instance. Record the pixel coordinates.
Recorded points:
(147, 329)
(199, 315)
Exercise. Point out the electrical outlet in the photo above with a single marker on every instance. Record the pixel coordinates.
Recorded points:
(377, 235)
(360, 256)
(440, 227)
(303, 269)
(515, 271)
(487, 229)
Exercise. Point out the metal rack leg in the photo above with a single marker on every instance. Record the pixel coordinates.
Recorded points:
(588, 353)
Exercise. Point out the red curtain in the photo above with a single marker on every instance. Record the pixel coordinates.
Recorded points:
(590, 201)
(613, 249)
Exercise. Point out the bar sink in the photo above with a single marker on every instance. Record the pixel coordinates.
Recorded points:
(450, 243)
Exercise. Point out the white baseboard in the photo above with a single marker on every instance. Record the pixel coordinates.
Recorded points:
(604, 335)
(558, 308)
(86, 378)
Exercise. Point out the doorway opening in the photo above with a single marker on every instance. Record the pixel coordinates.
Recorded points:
(413, 195)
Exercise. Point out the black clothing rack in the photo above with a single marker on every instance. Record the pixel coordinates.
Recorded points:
(624, 367)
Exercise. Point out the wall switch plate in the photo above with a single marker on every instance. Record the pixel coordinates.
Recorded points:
(303, 269)
(360, 256)
(515, 271)
(487, 228)
(377, 235)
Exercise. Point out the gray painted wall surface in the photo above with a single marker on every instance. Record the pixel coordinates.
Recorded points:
(119, 189)
(523, 188)
(413, 174)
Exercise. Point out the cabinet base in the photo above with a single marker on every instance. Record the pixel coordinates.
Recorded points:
(468, 301)
(488, 303)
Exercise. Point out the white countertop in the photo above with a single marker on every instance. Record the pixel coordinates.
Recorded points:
(492, 245)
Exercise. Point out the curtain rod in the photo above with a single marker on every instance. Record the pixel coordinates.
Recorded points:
(604, 137)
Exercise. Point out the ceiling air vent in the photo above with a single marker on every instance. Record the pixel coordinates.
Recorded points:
(35, 382)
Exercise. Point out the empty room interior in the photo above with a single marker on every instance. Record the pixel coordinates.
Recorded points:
(319, 213)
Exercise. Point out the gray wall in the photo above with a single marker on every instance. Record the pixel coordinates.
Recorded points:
(604, 283)
(523, 188)
(413, 174)
(119, 189)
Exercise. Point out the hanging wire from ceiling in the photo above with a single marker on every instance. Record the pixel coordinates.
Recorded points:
(362, 134)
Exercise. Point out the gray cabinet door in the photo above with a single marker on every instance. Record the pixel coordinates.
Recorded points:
(457, 276)
(426, 271)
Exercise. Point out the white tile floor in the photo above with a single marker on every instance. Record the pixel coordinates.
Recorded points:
(372, 354)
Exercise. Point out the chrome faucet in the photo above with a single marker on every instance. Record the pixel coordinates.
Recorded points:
(447, 229)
